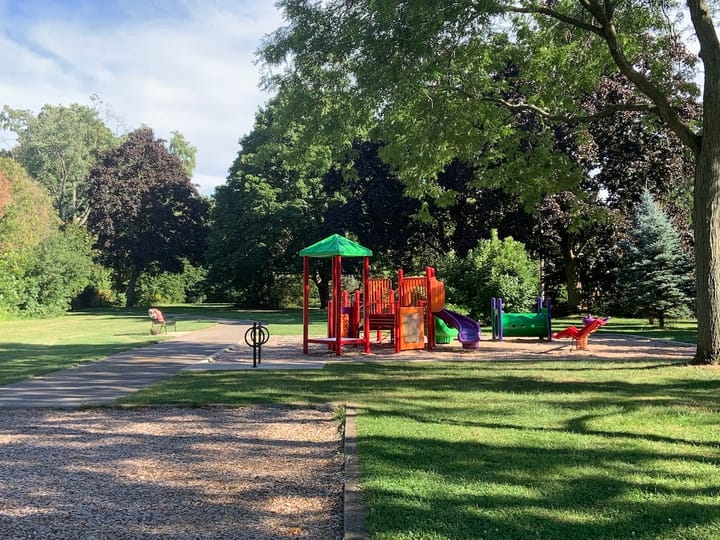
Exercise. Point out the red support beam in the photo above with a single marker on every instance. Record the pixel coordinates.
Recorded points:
(306, 302)
(337, 293)
(366, 299)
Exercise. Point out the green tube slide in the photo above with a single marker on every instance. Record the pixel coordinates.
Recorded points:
(525, 324)
(443, 333)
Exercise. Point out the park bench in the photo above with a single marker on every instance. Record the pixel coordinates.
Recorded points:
(160, 322)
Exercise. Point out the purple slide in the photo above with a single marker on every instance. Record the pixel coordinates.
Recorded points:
(468, 329)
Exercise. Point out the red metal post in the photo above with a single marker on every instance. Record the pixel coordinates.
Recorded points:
(306, 302)
(398, 309)
(337, 293)
(429, 279)
(366, 299)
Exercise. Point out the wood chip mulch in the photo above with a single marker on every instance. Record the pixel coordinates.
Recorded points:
(170, 473)
(601, 347)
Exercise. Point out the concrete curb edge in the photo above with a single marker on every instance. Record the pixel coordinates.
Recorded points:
(354, 508)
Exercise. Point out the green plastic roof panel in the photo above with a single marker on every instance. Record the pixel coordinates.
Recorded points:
(335, 245)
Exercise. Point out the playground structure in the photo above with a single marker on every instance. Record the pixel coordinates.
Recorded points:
(580, 335)
(334, 247)
(537, 324)
(444, 333)
(408, 312)
(412, 313)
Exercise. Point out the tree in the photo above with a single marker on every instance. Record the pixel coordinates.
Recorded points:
(180, 147)
(270, 209)
(572, 233)
(146, 213)
(28, 219)
(58, 147)
(366, 200)
(4, 193)
(476, 211)
(41, 268)
(656, 276)
(621, 156)
(263, 215)
(432, 76)
(28, 216)
(630, 153)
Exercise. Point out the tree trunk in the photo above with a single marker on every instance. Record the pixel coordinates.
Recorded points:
(706, 219)
(130, 294)
(706, 212)
(571, 275)
(322, 280)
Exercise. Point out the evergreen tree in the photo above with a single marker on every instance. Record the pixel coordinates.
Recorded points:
(657, 276)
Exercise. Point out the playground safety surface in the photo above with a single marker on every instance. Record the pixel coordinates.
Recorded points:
(282, 352)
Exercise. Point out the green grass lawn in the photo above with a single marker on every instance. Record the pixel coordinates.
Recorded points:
(281, 322)
(684, 331)
(681, 330)
(504, 450)
(30, 348)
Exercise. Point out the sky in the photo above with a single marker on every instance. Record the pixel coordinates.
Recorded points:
(172, 65)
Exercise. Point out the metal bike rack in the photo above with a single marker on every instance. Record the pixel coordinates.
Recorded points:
(256, 336)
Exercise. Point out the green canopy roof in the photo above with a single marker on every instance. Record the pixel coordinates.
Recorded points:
(335, 245)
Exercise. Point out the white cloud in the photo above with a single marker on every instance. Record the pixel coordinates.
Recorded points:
(193, 71)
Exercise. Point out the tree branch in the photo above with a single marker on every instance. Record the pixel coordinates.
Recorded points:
(609, 9)
(581, 119)
(704, 29)
(603, 14)
(664, 110)
(710, 55)
(572, 120)
(541, 10)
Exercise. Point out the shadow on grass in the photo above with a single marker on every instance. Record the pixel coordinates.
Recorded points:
(427, 487)
(342, 381)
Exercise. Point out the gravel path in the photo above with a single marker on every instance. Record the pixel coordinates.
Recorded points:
(170, 473)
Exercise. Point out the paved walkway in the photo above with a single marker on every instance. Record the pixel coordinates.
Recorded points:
(104, 381)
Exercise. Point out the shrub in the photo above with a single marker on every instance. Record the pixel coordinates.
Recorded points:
(57, 271)
(41, 268)
(172, 288)
(287, 292)
(99, 291)
(495, 268)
